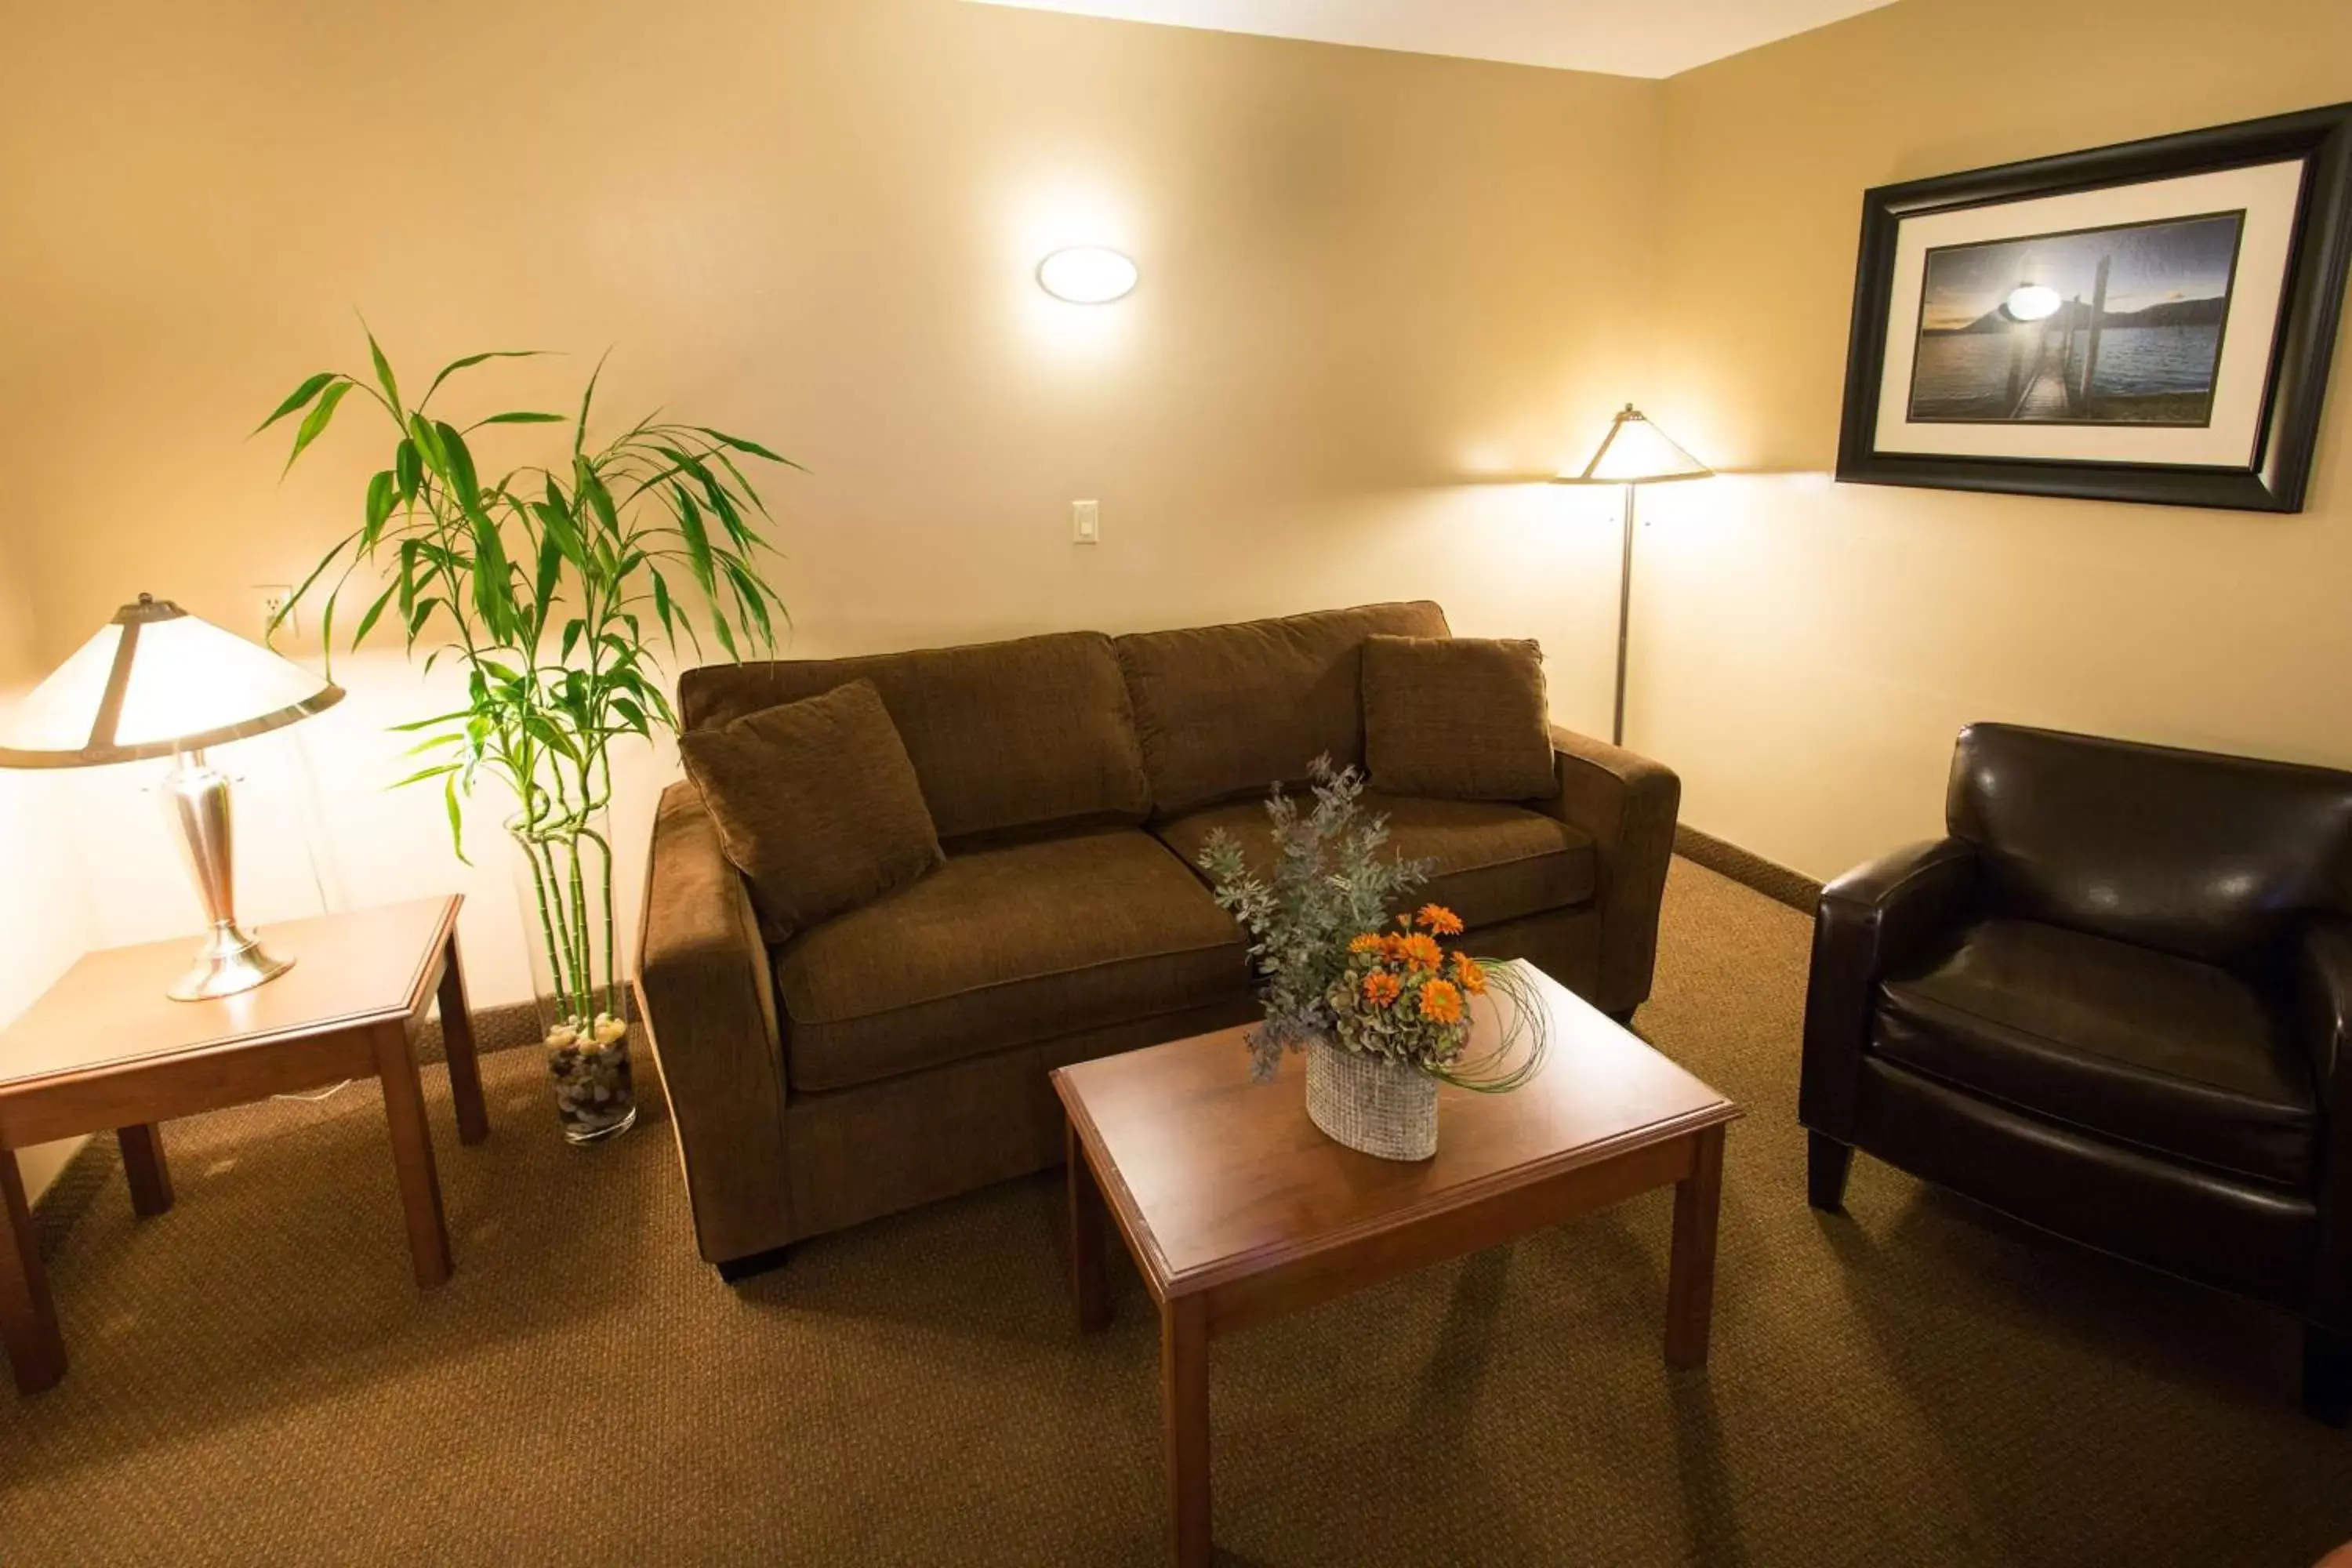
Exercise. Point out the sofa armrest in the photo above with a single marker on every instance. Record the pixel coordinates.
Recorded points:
(708, 1008)
(1869, 920)
(2323, 984)
(1627, 802)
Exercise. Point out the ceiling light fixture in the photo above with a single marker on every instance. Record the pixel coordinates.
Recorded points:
(1087, 275)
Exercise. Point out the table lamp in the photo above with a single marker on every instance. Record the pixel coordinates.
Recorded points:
(1634, 452)
(157, 681)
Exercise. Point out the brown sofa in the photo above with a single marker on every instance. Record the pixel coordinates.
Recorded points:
(898, 1054)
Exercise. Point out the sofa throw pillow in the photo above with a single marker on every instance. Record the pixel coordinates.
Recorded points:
(1456, 717)
(816, 805)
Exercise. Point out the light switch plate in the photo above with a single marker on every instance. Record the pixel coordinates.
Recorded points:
(1086, 522)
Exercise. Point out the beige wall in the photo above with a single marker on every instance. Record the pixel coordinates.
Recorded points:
(1807, 651)
(1379, 291)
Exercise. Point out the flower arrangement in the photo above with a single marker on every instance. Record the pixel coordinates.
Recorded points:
(1330, 881)
(1403, 998)
(1333, 966)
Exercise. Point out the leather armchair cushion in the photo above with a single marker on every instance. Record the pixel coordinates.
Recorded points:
(1491, 862)
(2173, 1056)
(1001, 947)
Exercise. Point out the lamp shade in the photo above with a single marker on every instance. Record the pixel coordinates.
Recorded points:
(1636, 452)
(155, 680)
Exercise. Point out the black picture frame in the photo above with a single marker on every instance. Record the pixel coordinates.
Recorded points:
(2313, 304)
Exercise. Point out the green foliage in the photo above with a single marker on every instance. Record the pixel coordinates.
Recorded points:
(1330, 881)
(557, 586)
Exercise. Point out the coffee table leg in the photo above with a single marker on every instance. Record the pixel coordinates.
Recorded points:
(412, 1154)
(143, 1168)
(1184, 1423)
(1089, 1282)
(1690, 1281)
(458, 1044)
(29, 1316)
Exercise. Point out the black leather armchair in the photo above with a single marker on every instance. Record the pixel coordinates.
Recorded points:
(2116, 1002)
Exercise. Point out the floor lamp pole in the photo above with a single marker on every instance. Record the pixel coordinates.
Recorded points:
(1625, 618)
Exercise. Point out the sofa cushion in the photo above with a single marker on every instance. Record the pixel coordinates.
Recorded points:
(1227, 711)
(1002, 946)
(1003, 735)
(1457, 718)
(2176, 1057)
(816, 804)
(1492, 862)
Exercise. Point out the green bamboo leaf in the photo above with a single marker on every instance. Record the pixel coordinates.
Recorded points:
(384, 374)
(551, 562)
(662, 608)
(421, 774)
(314, 422)
(457, 464)
(470, 360)
(698, 539)
(519, 417)
(367, 622)
(457, 819)
(742, 445)
(407, 469)
(383, 494)
(297, 398)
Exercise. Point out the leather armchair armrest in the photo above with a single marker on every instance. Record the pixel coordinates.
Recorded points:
(1868, 921)
(2323, 989)
(1627, 802)
(709, 1010)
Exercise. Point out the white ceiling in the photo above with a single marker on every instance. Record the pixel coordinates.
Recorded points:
(1627, 37)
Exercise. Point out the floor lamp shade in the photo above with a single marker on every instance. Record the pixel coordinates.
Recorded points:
(154, 682)
(1634, 452)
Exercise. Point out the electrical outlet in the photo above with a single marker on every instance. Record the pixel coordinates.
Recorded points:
(274, 598)
(1086, 522)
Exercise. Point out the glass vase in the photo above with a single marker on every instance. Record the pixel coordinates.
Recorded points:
(563, 882)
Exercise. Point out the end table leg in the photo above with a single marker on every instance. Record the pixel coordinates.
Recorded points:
(412, 1154)
(143, 1168)
(1090, 1284)
(1184, 1423)
(458, 1044)
(29, 1316)
(1690, 1281)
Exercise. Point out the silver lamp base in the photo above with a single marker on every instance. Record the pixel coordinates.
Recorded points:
(231, 959)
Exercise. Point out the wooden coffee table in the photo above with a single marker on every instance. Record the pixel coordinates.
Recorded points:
(105, 1048)
(1237, 1210)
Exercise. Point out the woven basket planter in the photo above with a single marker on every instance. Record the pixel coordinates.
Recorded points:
(1369, 1103)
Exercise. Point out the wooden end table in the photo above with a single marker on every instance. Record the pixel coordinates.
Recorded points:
(1238, 1210)
(106, 1048)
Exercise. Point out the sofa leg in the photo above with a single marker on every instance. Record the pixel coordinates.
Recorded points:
(1622, 1018)
(2326, 1375)
(1827, 1161)
(735, 1271)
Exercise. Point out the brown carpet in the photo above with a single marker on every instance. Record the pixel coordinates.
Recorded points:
(255, 1380)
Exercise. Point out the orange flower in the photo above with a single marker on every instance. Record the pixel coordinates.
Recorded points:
(1421, 952)
(1404, 922)
(1367, 942)
(1468, 974)
(1381, 987)
(1440, 920)
(1441, 1003)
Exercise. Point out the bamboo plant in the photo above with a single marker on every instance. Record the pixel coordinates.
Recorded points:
(557, 587)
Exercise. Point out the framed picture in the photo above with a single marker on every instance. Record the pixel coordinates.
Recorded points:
(2145, 322)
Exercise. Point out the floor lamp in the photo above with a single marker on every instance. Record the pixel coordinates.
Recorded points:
(1634, 453)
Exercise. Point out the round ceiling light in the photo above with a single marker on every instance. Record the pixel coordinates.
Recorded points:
(1087, 275)
(2030, 302)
